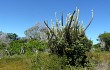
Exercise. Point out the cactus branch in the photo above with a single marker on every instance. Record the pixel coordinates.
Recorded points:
(62, 19)
(89, 21)
(50, 30)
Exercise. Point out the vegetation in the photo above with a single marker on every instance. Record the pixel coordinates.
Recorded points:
(69, 40)
(63, 46)
(105, 41)
(99, 61)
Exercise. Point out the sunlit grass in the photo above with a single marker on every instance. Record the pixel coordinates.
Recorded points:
(15, 63)
(99, 56)
(100, 60)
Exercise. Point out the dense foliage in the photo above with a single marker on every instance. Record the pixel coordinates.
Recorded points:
(18, 46)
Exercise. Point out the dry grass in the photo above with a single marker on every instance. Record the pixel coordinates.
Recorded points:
(15, 63)
(100, 61)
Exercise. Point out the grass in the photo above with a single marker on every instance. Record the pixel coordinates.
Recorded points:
(99, 60)
(15, 63)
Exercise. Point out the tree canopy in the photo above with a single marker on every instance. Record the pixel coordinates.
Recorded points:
(105, 41)
(36, 32)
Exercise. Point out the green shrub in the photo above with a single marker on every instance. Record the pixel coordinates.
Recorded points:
(33, 45)
(45, 62)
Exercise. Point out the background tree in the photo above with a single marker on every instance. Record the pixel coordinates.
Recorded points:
(4, 42)
(36, 32)
(12, 36)
(4, 38)
(105, 41)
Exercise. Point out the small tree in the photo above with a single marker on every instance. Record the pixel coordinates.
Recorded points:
(36, 32)
(12, 36)
(69, 39)
(105, 41)
(4, 37)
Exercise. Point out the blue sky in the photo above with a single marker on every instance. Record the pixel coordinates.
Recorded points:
(18, 15)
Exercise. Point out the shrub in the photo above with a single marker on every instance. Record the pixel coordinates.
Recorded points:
(45, 62)
(69, 40)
